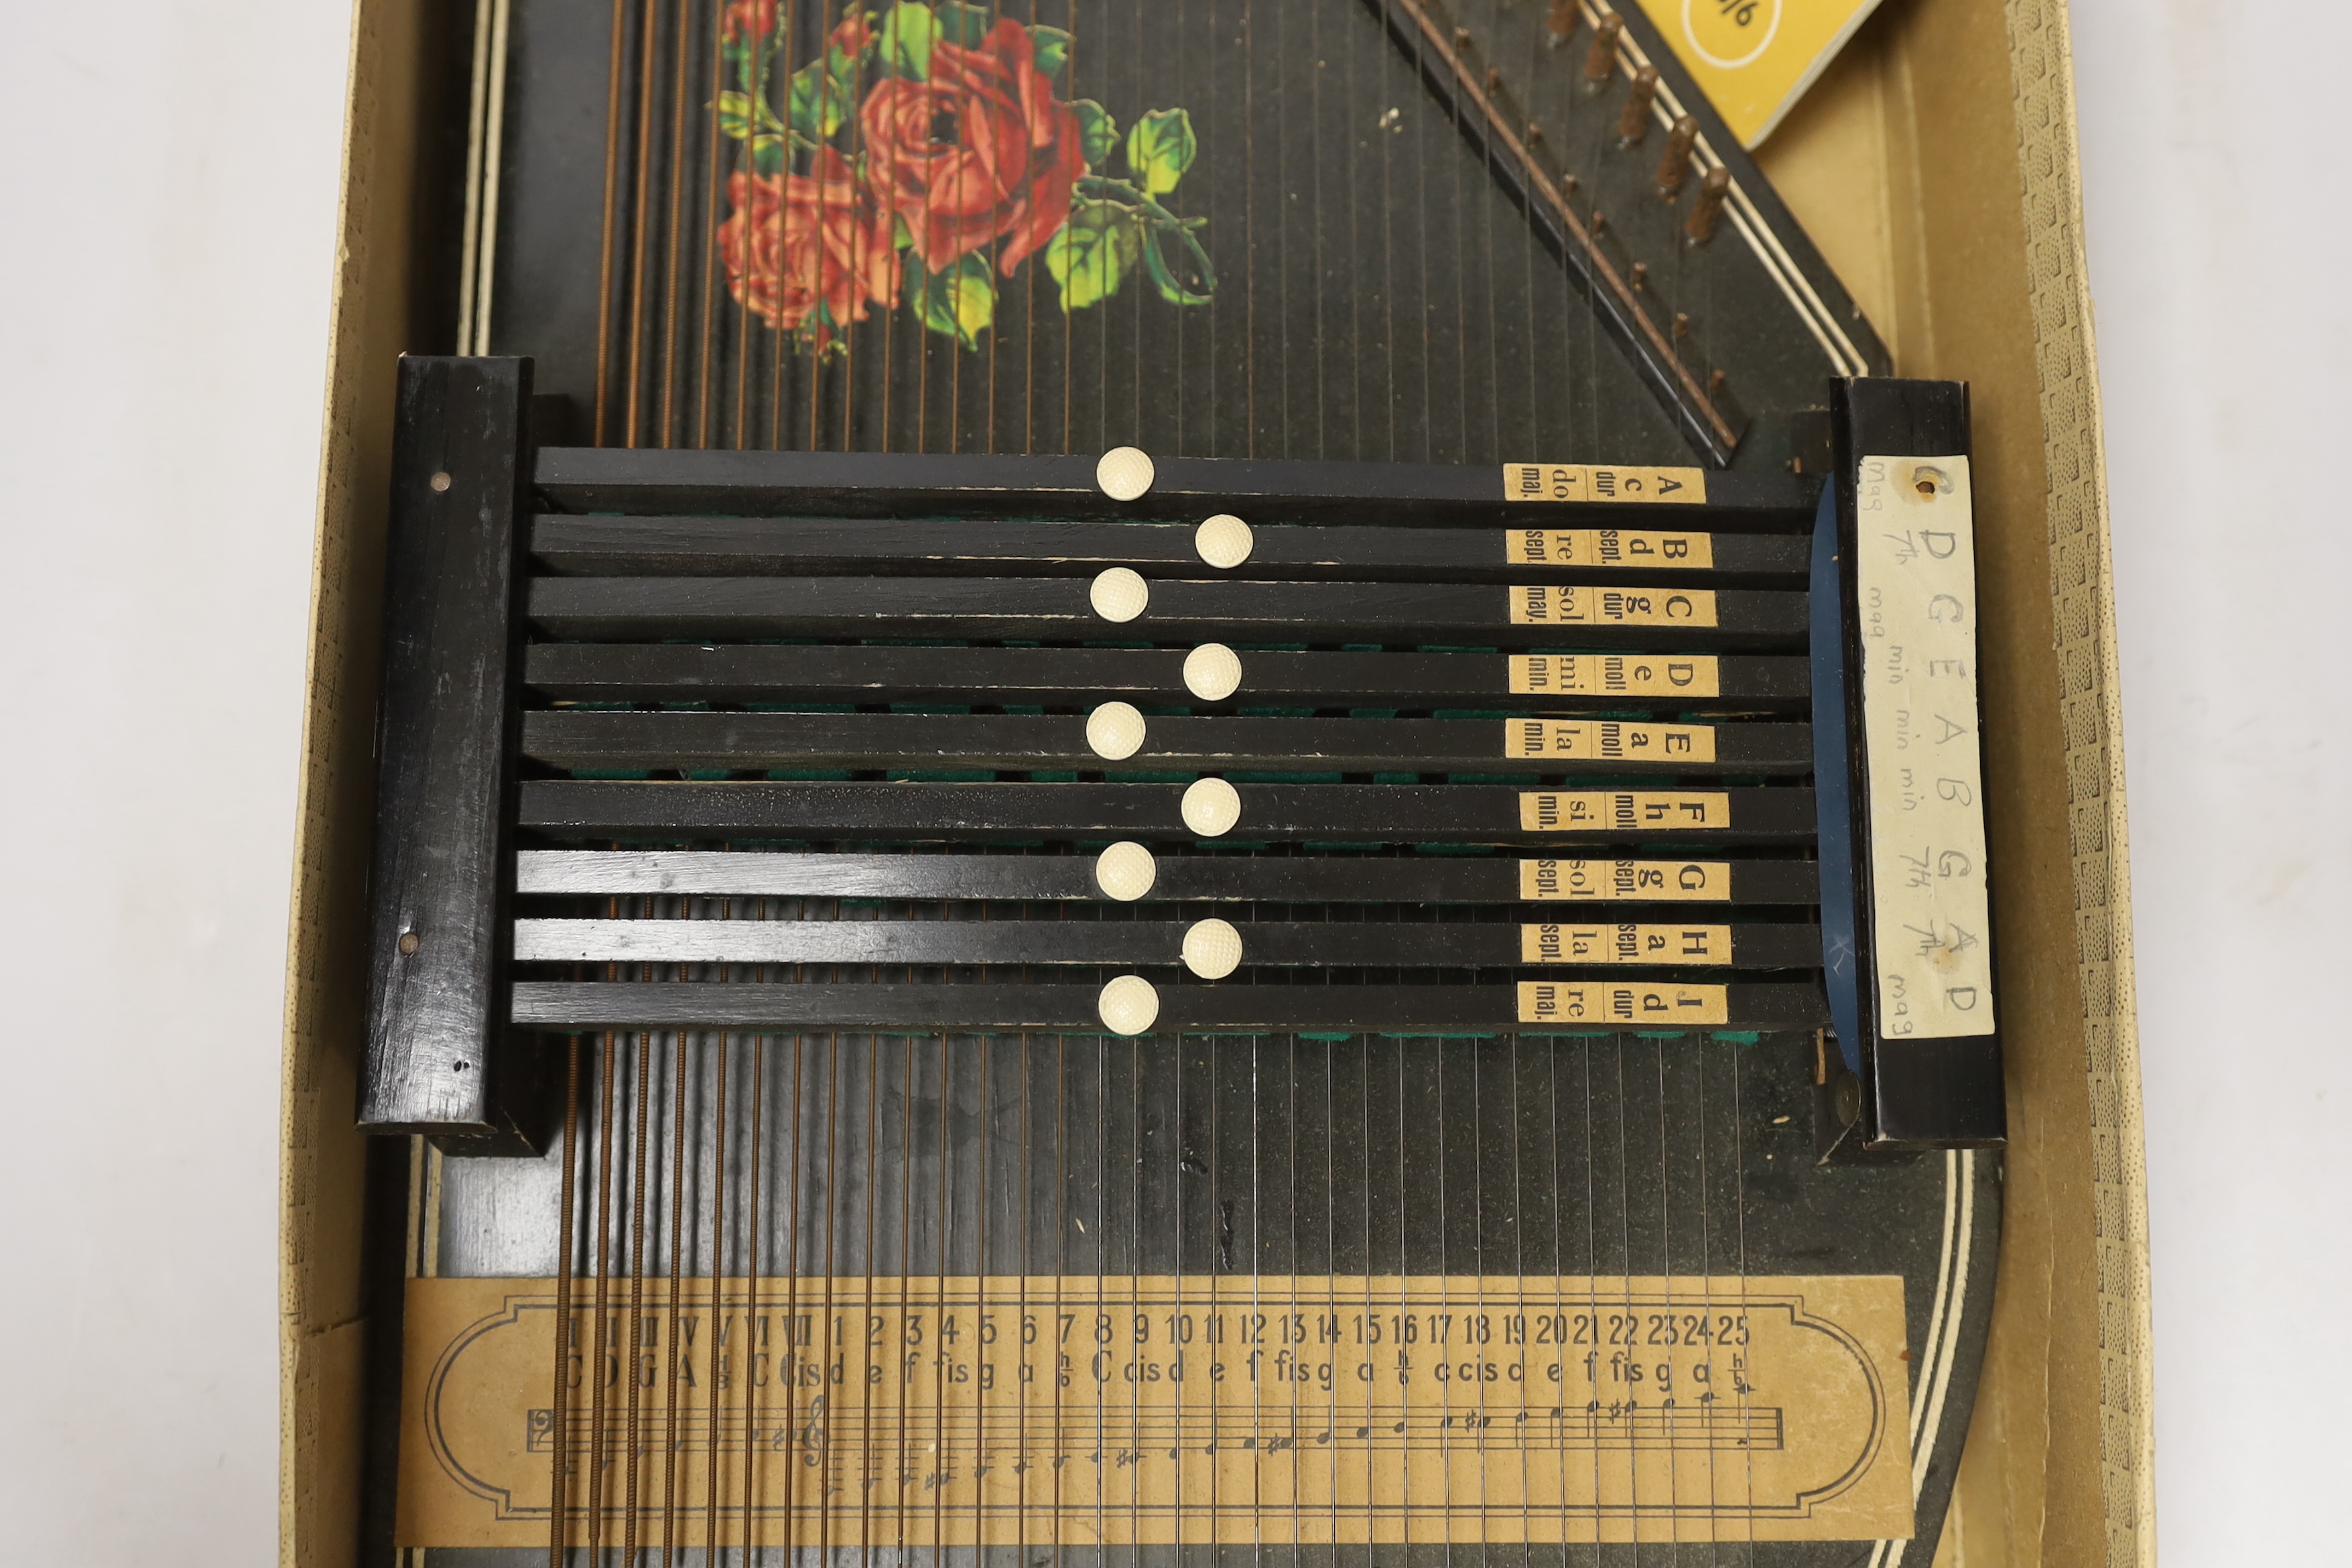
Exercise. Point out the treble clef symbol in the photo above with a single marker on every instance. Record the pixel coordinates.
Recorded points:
(812, 1435)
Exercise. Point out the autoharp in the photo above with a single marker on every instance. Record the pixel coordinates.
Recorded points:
(1171, 777)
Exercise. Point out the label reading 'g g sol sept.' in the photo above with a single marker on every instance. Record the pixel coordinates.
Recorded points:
(1616, 1005)
(1600, 482)
(1615, 674)
(1695, 881)
(1661, 945)
(1623, 811)
(1607, 547)
(1607, 740)
(1575, 604)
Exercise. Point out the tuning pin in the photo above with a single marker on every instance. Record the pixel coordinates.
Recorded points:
(1675, 167)
(1560, 23)
(1600, 60)
(1712, 189)
(1494, 77)
(1634, 120)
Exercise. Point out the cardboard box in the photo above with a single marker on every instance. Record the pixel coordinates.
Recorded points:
(1934, 164)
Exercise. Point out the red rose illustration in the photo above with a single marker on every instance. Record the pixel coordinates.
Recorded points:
(751, 19)
(982, 149)
(796, 241)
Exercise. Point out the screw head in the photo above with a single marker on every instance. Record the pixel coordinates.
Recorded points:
(407, 943)
(439, 481)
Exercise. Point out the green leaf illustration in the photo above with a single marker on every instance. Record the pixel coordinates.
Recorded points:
(907, 33)
(1160, 148)
(1090, 254)
(1164, 277)
(735, 114)
(1097, 131)
(901, 236)
(768, 153)
(1052, 46)
(963, 24)
(960, 302)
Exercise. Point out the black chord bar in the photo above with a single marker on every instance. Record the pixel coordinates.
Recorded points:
(1173, 879)
(976, 813)
(1063, 609)
(768, 546)
(1122, 737)
(1352, 944)
(1527, 1006)
(737, 672)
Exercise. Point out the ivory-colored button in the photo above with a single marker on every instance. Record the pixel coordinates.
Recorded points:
(1119, 593)
(1223, 541)
(1115, 730)
(1124, 473)
(1213, 672)
(1213, 949)
(1126, 871)
(1129, 1004)
(1212, 806)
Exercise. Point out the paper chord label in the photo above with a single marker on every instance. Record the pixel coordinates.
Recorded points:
(1607, 547)
(1660, 944)
(915, 1413)
(1677, 880)
(1622, 1006)
(1914, 565)
(1614, 810)
(1595, 482)
(1614, 674)
(1574, 604)
(1607, 740)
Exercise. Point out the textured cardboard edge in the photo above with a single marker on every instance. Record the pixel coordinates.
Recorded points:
(322, 1329)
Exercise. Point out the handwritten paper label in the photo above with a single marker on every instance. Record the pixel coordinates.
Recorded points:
(1598, 482)
(1575, 604)
(914, 1413)
(1590, 740)
(1615, 674)
(1914, 564)
(1660, 944)
(1608, 547)
(1623, 811)
(1646, 880)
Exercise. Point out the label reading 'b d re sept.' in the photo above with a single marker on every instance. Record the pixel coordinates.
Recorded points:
(1607, 547)
(1575, 604)
(1608, 740)
(1615, 674)
(1694, 881)
(1565, 482)
(1623, 811)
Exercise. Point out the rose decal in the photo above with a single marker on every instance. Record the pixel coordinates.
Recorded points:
(925, 153)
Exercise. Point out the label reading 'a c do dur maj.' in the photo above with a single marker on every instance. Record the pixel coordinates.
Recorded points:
(1916, 580)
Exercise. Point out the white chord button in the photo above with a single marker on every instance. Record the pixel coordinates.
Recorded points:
(1126, 871)
(1212, 806)
(1115, 730)
(1119, 594)
(1124, 473)
(1213, 949)
(1223, 541)
(1213, 672)
(1129, 1004)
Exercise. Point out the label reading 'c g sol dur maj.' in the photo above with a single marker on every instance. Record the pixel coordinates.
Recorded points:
(926, 1412)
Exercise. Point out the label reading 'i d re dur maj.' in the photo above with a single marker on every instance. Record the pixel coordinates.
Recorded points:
(921, 1412)
(1915, 582)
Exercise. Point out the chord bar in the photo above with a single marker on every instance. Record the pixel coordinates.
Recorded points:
(1063, 609)
(736, 672)
(1078, 1007)
(574, 739)
(769, 546)
(1418, 945)
(975, 812)
(1174, 878)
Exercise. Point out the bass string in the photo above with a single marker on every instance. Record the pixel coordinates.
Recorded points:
(559, 1399)
(639, 228)
(611, 202)
(669, 357)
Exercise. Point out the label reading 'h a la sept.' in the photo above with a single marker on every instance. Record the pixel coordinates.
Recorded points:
(1615, 674)
(1601, 482)
(1550, 943)
(1575, 604)
(1914, 565)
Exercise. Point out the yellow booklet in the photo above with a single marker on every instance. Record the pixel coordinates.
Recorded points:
(1754, 58)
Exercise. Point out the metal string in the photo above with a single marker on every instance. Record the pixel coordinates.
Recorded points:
(566, 1332)
(612, 202)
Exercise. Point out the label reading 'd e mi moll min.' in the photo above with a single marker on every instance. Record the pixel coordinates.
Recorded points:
(1916, 580)
(914, 1412)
